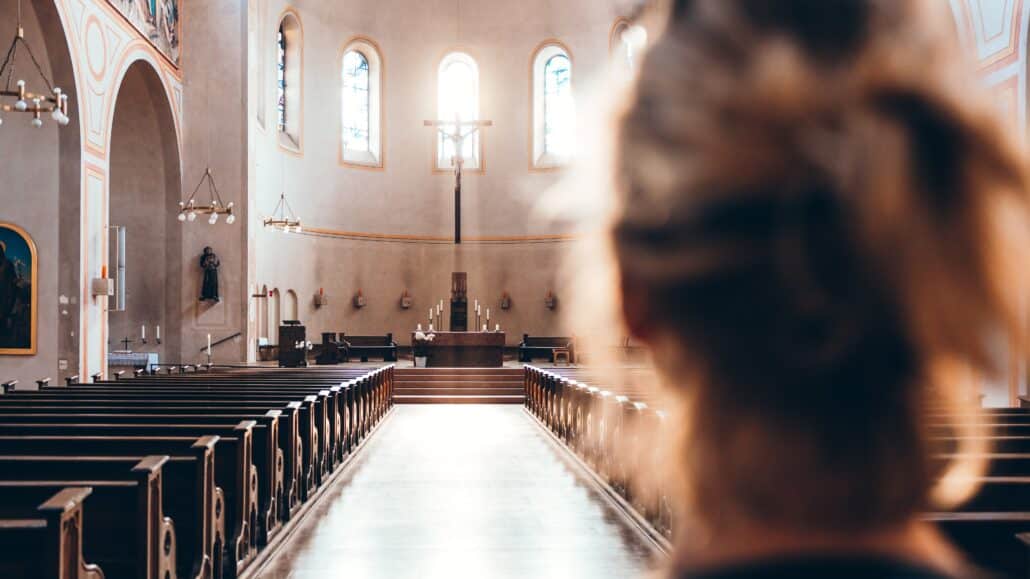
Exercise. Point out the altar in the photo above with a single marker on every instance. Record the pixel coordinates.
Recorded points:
(465, 350)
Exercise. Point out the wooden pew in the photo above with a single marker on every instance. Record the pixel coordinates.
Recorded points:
(128, 535)
(190, 495)
(325, 417)
(365, 347)
(43, 539)
(532, 348)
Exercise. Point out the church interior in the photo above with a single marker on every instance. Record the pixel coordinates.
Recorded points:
(317, 288)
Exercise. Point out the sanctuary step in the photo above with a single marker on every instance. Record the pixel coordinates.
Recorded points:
(459, 386)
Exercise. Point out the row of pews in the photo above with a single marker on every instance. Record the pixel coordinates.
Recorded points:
(607, 425)
(614, 425)
(172, 476)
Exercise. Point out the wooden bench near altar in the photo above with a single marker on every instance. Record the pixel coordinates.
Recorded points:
(465, 350)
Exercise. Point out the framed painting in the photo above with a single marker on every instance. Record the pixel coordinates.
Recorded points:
(18, 292)
(158, 21)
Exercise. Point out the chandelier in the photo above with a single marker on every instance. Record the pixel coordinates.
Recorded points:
(283, 218)
(55, 103)
(189, 209)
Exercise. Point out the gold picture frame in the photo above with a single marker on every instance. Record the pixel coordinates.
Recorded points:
(19, 330)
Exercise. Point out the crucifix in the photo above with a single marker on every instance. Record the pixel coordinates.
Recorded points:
(126, 342)
(456, 132)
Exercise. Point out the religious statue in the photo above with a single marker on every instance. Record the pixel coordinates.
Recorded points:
(209, 263)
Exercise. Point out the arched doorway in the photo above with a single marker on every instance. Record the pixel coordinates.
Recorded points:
(145, 187)
(292, 305)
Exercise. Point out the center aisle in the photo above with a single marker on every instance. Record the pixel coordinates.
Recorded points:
(461, 491)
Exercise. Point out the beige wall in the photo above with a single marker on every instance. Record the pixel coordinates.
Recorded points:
(30, 198)
(407, 197)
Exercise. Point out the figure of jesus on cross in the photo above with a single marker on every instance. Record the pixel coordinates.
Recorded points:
(457, 132)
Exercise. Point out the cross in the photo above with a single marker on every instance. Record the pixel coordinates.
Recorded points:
(126, 343)
(462, 130)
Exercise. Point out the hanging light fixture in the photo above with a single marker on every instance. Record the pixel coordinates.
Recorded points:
(283, 218)
(36, 104)
(189, 209)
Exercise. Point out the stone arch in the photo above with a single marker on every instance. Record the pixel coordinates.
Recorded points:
(144, 187)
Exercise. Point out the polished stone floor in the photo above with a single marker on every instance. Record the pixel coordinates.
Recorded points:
(460, 491)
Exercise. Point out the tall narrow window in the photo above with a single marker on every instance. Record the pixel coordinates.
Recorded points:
(558, 106)
(280, 44)
(554, 110)
(458, 99)
(289, 42)
(361, 105)
(627, 44)
(356, 106)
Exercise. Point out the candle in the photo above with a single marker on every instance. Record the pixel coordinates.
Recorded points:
(488, 313)
(484, 327)
(430, 327)
(143, 332)
(209, 345)
(498, 328)
(159, 332)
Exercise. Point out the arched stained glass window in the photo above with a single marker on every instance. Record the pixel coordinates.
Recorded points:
(554, 108)
(281, 76)
(357, 105)
(558, 106)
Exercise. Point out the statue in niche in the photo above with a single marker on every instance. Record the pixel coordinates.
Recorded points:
(209, 263)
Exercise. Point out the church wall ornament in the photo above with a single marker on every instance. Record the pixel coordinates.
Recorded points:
(19, 292)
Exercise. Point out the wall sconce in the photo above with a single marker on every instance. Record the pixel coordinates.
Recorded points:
(551, 301)
(102, 286)
(505, 301)
(359, 300)
(406, 301)
(321, 299)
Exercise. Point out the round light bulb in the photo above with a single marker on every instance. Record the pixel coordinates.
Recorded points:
(192, 216)
(21, 106)
(64, 120)
(182, 217)
(37, 123)
(213, 219)
(56, 115)
(230, 219)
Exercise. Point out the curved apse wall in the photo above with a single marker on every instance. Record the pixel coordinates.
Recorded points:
(407, 197)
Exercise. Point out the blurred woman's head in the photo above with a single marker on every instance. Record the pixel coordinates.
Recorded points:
(812, 233)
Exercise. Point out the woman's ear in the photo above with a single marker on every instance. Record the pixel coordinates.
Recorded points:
(636, 309)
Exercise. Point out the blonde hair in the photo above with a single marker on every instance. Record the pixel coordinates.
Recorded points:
(815, 215)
